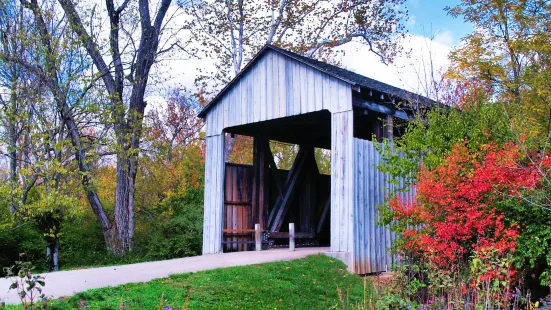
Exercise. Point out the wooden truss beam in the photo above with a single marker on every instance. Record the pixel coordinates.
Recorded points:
(307, 198)
(324, 214)
(297, 172)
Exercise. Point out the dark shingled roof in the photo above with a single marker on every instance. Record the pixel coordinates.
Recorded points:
(337, 72)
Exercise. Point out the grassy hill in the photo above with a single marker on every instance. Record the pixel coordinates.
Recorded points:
(315, 282)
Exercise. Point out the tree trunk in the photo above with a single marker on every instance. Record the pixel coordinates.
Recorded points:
(52, 254)
(12, 139)
(124, 206)
(55, 257)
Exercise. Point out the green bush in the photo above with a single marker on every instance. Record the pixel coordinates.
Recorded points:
(533, 248)
(178, 231)
(430, 139)
(22, 241)
(82, 245)
(170, 229)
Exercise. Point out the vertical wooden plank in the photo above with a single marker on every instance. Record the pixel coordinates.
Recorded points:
(335, 176)
(209, 212)
(368, 241)
(367, 194)
(327, 93)
(361, 187)
(207, 202)
(208, 123)
(271, 86)
(214, 191)
(219, 193)
(238, 117)
(335, 96)
(243, 100)
(239, 226)
(318, 90)
(228, 225)
(311, 95)
(258, 87)
(276, 101)
(372, 202)
(376, 236)
(296, 88)
(282, 78)
(229, 107)
(347, 190)
(288, 88)
(346, 97)
(261, 84)
(227, 193)
(303, 89)
(249, 99)
(379, 231)
(216, 121)
(342, 157)
(346, 90)
(234, 197)
(225, 107)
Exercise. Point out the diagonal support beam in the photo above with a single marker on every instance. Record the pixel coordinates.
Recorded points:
(307, 197)
(275, 174)
(323, 215)
(281, 207)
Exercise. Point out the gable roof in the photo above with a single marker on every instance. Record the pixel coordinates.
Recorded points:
(347, 76)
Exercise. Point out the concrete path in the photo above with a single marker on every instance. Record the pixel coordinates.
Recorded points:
(66, 283)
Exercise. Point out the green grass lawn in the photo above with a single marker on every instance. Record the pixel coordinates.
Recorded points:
(309, 283)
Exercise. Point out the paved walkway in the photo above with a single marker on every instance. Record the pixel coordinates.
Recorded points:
(66, 283)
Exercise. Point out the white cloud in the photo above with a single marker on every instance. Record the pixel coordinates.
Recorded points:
(407, 70)
(414, 3)
(412, 20)
(444, 37)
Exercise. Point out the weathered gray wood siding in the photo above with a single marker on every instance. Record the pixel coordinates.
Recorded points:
(277, 86)
(342, 187)
(214, 194)
(372, 242)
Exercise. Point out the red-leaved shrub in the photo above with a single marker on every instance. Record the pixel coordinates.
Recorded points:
(454, 215)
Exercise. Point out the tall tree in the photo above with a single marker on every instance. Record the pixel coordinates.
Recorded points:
(14, 102)
(509, 52)
(42, 78)
(125, 69)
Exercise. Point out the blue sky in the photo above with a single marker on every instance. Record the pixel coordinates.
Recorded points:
(426, 15)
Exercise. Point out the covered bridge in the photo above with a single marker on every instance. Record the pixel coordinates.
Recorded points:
(282, 96)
